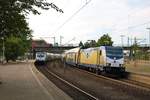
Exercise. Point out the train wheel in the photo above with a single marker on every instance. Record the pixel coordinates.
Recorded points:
(103, 73)
(90, 69)
(97, 71)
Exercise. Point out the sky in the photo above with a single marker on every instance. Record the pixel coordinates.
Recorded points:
(129, 18)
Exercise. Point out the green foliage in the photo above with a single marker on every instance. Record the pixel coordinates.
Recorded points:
(81, 44)
(86, 45)
(13, 25)
(105, 40)
(28, 5)
(142, 55)
(134, 50)
(90, 43)
(14, 48)
(13, 15)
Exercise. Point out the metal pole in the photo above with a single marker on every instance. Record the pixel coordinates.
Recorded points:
(61, 37)
(54, 41)
(149, 38)
(128, 42)
(149, 41)
(122, 39)
(60, 40)
(3, 51)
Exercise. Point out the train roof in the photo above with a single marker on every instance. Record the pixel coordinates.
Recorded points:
(110, 47)
(89, 49)
(73, 50)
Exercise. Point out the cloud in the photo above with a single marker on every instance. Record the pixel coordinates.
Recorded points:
(138, 3)
(98, 17)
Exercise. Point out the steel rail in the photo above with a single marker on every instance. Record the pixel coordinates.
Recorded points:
(70, 84)
(115, 80)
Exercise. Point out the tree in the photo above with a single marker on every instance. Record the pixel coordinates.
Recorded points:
(105, 40)
(86, 45)
(13, 22)
(29, 5)
(81, 44)
(90, 43)
(13, 14)
(13, 49)
(134, 49)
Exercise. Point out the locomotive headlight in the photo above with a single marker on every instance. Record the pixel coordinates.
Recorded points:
(108, 64)
(121, 65)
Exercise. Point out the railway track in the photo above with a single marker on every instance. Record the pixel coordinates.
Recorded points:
(124, 81)
(141, 79)
(142, 85)
(130, 90)
(75, 92)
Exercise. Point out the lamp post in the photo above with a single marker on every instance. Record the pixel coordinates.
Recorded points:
(61, 37)
(149, 39)
(3, 51)
(122, 39)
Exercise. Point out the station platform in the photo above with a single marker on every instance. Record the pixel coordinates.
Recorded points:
(22, 81)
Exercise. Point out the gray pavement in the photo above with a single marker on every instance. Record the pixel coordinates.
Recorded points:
(21, 81)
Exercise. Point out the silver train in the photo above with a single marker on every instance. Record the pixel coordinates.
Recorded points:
(44, 57)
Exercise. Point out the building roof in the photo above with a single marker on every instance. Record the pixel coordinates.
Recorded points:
(40, 43)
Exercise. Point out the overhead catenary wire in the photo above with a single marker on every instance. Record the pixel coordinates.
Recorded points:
(69, 41)
(131, 13)
(66, 21)
(133, 26)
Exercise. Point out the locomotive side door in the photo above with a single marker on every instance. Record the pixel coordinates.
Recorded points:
(98, 58)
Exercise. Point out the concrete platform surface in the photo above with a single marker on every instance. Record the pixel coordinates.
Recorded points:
(21, 81)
